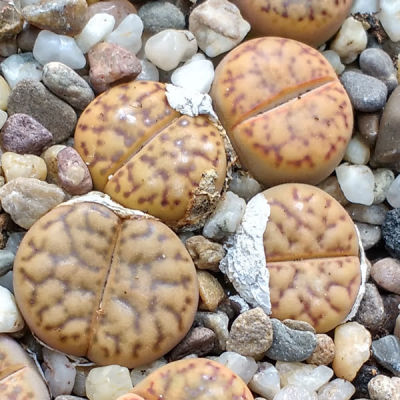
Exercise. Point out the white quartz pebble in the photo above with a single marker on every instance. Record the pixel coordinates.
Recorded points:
(350, 41)
(149, 72)
(3, 118)
(95, 30)
(334, 60)
(21, 66)
(292, 392)
(265, 381)
(393, 193)
(357, 151)
(10, 317)
(365, 6)
(52, 47)
(390, 18)
(107, 383)
(338, 389)
(243, 366)
(197, 75)
(128, 33)
(310, 379)
(357, 183)
(168, 48)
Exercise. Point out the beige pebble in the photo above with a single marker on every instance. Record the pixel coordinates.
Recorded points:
(27, 165)
(386, 273)
(211, 291)
(50, 158)
(205, 253)
(382, 387)
(324, 353)
(4, 93)
(397, 327)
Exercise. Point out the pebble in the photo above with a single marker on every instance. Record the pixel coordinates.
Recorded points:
(334, 60)
(243, 366)
(160, 15)
(23, 165)
(21, 66)
(65, 17)
(393, 193)
(391, 303)
(389, 17)
(111, 63)
(226, 217)
(106, 383)
(50, 46)
(3, 118)
(7, 255)
(66, 84)
(391, 232)
(365, 6)
(149, 71)
(168, 48)
(365, 374)
(368, 126)
(32, 98)
(251, 334)
(338, 389)
(68, 397)
(73, 174)
(377, 63)
(386, 352)
(119, 9)
(357, 183)
(199, 340)
(289, 344)
(139, 373)
(310, 377)
(11, 21)
(382, 387)
(217, 322)
(27, 199)
(324, 352)
(292, 392)
(50, 158)
(205, 253)
(10, 317)
(331, 186)
(95, 30)
(59, 372)
(386, 273)
(350, 41)
(128, 34)
(371, 312)
(218, 26)
(8, 47)
(383, 179)
(4, 93)
(374, 214)
(357, 151)
(22, 134)
(210, 290)
(298, 325)
(244, 185)
(265, 381)
(367, 94)
(26, 39)
(370, 234)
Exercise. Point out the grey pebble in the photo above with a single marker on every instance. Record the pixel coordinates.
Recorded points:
(370, 234)
(218, 322)
(367, 94)
(69, 397)
(386, 351)
(371, 312)
(391, 232)
(65, 83)
(7, 254)
(160, 15)
(289, 344)
(383, 179)
(374, 214)
(32, 98)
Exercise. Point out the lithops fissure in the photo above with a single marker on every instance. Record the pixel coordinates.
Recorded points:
(116, 290)
(312, 254)
(195, 379)
(284, 109)
(309, 21)
(19, 378)
(148, 157)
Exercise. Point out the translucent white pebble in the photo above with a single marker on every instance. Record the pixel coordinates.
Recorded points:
(292, 392)
(357, 183)
(338, 389)
(95, 30)
(149, 71)
(3, 118)
(128, 33)
(52, 47)
(393, 193)
(334, 60)
(168, 48)
(10, 318)
(266, 381)
(21, 66)
(365, 6)
(311, 379)
(197, 75)
(390, 18)
(357, 151)
(243, 366)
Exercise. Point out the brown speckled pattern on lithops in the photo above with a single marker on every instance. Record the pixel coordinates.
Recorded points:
(309, 21)
(284, 109)
(194, 379)
(312, 254)
(19, 377)
(118, 291)
(147, 156)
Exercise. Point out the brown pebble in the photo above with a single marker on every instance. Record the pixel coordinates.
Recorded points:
(10, 20)
(386, 273)
(324, 353)
(368, 126)
(205, 253)
(211, 291)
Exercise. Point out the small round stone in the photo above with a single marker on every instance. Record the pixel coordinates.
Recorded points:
(386, 352)
(381, 388)
(372, 310)
(205, 253)
(211, 291)
(386, 273)
(11, 21)
(29, 166)
(324, 352)
(383, 179)
(119, 9)
(391, 232)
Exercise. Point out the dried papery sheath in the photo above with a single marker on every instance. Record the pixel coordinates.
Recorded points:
(245, 263)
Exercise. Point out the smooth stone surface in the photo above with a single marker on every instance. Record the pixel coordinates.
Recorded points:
(289, 344)
(331, 186)
(334, 60)
(265, 381)
(4, 93)
(32, 98)
(218, 323)
(368, 126)
(205, 253)
(365, 6)
(386, 273)
(391, 232)
(374, 214)
(210, 290)
(383, 179)
(243, 366)
(160, 15)
(26, 39)
(389, 17)
(8, 47)
(387, 352)
(357, 151)
(370, 234)
(372, 310)
(23, 165)
(367, 94)
(119, 9)
(310, 377)
(7, 254)
(292, 392)
(149, 71)
(338, 389)
(3, 118)
(10, 317)
(393, 193)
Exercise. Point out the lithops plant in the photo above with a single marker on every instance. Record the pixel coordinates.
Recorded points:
(147, 156)
(284, 109)
(115, 287)
(195, 379)
(19, 378)
(309, 21)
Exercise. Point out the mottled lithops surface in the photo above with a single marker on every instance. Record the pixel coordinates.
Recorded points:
(19, 378)
(312, 255)
(194, 379)
(309, 21)
(148, 157)
(118, 291)
(284, 109)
